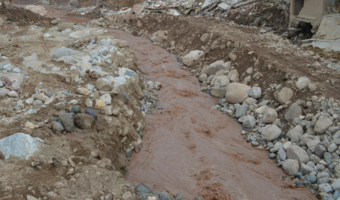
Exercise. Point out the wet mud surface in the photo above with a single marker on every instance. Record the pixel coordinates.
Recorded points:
(193, 150)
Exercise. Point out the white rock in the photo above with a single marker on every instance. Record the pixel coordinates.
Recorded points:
(17, 70)
(193, 58)
(302, 82)
(19, 145)
(80, 34)
(106, 98)
(8, 67)
(270, 133)
(47, 35)
(255, 92)
(13, 94)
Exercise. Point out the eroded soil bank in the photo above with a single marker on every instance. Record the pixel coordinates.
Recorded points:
(193, 150)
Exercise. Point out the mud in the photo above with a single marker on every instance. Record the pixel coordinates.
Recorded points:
(193, 150)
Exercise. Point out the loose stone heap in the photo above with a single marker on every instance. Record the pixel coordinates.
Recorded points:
(305, 144)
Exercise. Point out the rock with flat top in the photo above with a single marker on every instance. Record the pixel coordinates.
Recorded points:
(236, 92)
(297, 153)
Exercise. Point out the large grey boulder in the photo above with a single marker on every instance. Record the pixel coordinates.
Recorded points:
(63, 51)
(291, 167)
(219, 85)
(270, 133)
(293, 111)
(19, 145)
(236, 92)
(284, 95)
(193, 58)
(297, 153)
(322, 124)
(295, 134)
(269, 115)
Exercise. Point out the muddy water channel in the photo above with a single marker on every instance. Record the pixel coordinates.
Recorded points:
(193, 150)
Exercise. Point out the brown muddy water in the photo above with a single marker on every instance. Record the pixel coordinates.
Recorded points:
(193, 150)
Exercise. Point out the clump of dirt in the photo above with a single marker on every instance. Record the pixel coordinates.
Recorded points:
(262, 14)
(22, 16)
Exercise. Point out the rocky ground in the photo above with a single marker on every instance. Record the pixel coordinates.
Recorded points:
(73, 104)
(73, 99)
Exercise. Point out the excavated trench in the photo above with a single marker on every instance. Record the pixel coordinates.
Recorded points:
(191, 149)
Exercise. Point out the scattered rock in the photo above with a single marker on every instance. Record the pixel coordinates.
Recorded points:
(297, 153)
(219, 85)
(193, 58)
(249, 122)
(217, 66)
(302, 83)
(84, 121)
(255, 92)
(65, 25)
(270, 133)
(269, 115)
(284, 95)
(295, 134)
(293, 111)
(67, 120)
(103, 84)
(57, 126)
(236, 92)
(63, 51)
(291, 167)
(92, 113)
(322, 124)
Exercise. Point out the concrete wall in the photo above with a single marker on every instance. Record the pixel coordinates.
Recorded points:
(309, 11)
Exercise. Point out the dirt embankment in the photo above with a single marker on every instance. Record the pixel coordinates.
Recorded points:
(277, 59)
